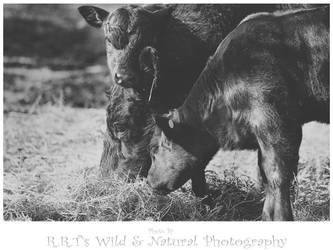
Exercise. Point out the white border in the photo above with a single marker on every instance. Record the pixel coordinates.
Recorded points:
(33, 235)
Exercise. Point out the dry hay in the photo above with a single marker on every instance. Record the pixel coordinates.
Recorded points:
(51, 173)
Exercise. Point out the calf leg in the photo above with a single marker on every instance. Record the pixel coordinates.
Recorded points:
(277, 201)
(199, 185)
(262, 179)
(278, 160)
(268, 209)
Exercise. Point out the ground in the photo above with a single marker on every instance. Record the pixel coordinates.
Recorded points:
(51, 172)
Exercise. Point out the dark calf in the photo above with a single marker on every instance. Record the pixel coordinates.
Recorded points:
(267, 78)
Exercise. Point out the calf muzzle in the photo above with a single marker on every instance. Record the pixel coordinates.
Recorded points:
(158, 187)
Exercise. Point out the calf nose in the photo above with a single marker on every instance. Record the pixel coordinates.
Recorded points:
(158, 187)
(124, 80)
(118, 78)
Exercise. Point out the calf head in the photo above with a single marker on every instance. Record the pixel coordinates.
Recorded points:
(128, 30)
(126, 149)
(178, 150)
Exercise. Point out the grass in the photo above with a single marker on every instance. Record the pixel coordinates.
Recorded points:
(51, 173)
(312, 191)
(26, 88)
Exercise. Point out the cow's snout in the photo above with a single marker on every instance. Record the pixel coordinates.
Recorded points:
(124, 80)
(118, 78)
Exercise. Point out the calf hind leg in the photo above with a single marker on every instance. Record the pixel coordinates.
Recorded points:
(278, 160)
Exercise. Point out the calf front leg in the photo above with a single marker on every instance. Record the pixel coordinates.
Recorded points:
(199, 185)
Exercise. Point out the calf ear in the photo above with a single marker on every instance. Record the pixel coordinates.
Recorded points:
(149, 64)
(93, 15)
(148, 59)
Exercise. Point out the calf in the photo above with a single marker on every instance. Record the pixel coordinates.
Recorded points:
(267, 78)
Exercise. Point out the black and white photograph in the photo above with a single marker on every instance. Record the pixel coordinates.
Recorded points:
(166, 112)
(110, 110)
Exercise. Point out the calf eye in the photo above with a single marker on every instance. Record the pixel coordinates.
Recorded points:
(119, 128)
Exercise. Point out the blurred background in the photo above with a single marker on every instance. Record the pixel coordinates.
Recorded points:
(52, 56)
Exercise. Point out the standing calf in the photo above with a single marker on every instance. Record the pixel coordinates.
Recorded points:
(267, 78)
